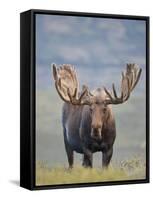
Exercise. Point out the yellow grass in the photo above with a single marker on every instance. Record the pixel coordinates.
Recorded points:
(127, 170)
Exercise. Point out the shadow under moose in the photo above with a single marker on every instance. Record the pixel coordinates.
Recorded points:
(87, 117)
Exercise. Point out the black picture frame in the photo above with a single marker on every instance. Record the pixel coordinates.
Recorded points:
(27, 98)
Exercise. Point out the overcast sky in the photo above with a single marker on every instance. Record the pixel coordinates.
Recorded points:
(93, 45)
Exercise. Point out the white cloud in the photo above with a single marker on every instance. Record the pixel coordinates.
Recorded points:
(57, 26)
(73, 53)
(113, 28)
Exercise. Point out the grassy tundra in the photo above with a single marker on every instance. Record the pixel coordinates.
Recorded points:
(125, 170)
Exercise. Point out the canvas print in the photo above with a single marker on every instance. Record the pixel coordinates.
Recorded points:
(90, 99)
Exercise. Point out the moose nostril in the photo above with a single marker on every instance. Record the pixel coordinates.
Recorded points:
(96, 130)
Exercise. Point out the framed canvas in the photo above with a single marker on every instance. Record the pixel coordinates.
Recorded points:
(84, 99)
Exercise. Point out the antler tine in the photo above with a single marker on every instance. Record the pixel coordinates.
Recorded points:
(81, 100)
(54, 71)
(114, 91)
(137, 79)
(109, 95)
(128, 83)
(133, 73)
(126, 94)
(85, 91)
(75, 93)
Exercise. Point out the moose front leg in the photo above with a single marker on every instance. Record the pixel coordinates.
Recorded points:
(87, 158)
(69, 152)
(70, 156)
(106, 157)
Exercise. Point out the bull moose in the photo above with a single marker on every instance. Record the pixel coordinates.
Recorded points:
(87, 117)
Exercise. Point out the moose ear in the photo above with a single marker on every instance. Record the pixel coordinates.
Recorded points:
(54, 71)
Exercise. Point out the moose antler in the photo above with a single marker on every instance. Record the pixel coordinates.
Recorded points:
(67, 86)
(129, 80)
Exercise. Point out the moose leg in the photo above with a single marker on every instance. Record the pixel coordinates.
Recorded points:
(87, 158)
(69, 153)
(107, 155)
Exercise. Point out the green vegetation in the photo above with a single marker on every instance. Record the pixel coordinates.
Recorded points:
(126, 170)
